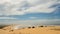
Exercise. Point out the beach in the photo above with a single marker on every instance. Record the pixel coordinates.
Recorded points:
(32, 30)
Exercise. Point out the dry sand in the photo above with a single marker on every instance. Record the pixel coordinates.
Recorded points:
(36, 30)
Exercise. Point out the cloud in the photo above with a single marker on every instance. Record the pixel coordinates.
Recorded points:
(7, 18)
(32, 17)
(21, 7)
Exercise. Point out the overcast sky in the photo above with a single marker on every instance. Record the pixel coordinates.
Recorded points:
(29, 10)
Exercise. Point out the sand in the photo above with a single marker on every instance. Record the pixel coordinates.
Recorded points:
(36, 30)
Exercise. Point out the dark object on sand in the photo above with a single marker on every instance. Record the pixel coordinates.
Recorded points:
(33, 27)
(11, 30)
(41, 26)
(29, 27)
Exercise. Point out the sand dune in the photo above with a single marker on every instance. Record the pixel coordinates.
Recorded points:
(32, 30)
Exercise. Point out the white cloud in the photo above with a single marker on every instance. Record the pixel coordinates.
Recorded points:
(21, 7)
(32, 17)
(7, 18)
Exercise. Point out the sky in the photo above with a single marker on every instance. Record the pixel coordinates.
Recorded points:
(24, 11)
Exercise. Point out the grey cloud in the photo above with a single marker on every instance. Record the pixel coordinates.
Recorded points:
(10, 8)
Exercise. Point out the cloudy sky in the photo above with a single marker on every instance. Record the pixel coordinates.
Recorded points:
(29, 10)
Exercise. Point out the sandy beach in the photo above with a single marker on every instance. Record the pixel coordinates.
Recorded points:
(32, 30)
